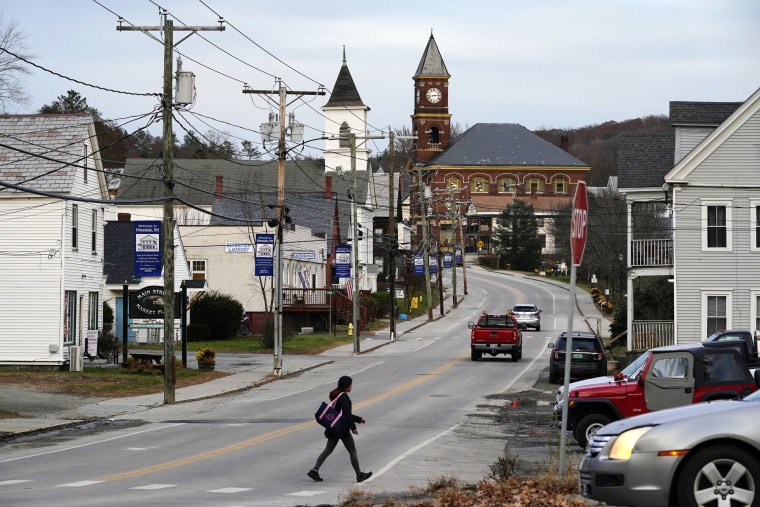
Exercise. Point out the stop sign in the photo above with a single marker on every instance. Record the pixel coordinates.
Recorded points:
(579, 223)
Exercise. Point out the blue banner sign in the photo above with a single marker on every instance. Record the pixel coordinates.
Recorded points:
(458, 255)
(433, 263)
(419, 264)
(342, 261)
(147, 248)
(447, 259)
(264, 256)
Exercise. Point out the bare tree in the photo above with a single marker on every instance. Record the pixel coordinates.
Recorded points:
(11, 68)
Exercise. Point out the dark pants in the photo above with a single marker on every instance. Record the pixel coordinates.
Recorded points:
(348, 442)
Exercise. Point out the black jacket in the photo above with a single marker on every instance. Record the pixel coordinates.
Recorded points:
(344, 405)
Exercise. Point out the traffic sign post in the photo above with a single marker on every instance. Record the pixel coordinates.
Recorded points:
(578, 235)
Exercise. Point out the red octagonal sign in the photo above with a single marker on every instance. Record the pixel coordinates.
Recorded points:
(579, 223)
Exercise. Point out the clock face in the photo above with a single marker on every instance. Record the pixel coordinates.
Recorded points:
(434, 95)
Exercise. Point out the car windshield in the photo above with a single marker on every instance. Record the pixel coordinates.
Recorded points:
(580, 344)
(633, 370)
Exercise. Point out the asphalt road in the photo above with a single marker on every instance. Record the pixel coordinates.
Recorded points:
(430, 412)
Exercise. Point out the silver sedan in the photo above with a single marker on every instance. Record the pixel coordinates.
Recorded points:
(698, 455)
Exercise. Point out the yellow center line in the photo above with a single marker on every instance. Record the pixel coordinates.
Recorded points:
(271, 435)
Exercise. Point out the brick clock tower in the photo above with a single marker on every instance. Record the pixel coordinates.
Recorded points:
(431, 121)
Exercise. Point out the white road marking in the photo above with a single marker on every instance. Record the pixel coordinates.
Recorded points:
(229, 490)
(412, 451)
(509, 386)
(79, 484)
(155, 486)
(305, 493)
(92, 443)
(17, 481)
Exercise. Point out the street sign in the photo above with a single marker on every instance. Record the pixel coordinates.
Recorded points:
(579, 223)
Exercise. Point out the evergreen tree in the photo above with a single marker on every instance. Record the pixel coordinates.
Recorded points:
(516, 236)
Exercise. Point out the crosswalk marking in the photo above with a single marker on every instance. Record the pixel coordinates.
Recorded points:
(155, 486)
(17, 481)
(305, 493)
(229, 490)
(79, 484)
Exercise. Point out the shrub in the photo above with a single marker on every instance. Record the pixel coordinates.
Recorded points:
(198, 332)
(220, 312)
(382, 303)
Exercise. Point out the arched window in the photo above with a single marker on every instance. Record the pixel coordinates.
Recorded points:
(344, 131)
(507, 185)
(453, 182)
(560, 185)
(535, 185)
(479, 185)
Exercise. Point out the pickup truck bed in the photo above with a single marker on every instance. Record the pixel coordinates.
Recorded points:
(495, 334)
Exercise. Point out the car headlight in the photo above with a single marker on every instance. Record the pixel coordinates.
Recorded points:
(623, 445)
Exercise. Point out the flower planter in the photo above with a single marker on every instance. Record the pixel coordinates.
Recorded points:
(206, 366)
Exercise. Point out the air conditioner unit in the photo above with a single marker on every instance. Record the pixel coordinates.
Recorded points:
(76, 358)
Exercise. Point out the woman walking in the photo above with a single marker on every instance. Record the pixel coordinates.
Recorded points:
(342, 405)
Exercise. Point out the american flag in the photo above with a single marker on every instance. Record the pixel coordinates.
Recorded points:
(350, 290)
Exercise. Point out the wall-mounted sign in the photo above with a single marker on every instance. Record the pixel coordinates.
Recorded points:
(303, 256)
(147, 248)
(231, 247)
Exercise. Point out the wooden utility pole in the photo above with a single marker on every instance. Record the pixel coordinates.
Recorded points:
(425, 242)
(282, 152)
(167, 104)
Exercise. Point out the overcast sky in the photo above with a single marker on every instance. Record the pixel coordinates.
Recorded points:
(542, 64)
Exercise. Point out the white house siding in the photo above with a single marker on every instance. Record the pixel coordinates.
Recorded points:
(730, 174)
(31, 260)
(688, 138)
(233, 273)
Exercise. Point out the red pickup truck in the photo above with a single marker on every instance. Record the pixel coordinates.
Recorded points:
(495, 334)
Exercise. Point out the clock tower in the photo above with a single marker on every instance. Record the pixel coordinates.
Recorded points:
(431, 121)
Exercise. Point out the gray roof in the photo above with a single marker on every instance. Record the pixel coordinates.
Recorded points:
(37, 151)
(197, 182)
(503, 144)
(701, 113)
(644, 159)
(431, 63)
(344, 93)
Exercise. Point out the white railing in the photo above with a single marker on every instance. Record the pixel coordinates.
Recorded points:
(651, 252)
(648, 334)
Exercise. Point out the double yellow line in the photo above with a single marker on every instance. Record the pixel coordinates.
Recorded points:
(161, 467)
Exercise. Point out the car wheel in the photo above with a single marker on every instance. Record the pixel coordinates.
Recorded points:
(552, 376)
(721, 476)
(475, 355)
(516, 355)
(538, 328)
(587, 428)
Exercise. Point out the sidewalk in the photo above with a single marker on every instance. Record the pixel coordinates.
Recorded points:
(247, 370)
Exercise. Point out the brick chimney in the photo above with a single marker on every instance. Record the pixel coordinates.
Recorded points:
(219, 187)
(563, 142)
(328, 187)
(124, 217)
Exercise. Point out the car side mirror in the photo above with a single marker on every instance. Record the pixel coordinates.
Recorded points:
(471, 324)
(550, 346)
(618, 376)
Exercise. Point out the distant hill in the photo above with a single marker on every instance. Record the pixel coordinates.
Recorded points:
(597, 144)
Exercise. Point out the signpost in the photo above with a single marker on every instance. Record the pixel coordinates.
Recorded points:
(578, 235)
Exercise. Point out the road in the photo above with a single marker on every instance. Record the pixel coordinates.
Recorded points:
(430, 412)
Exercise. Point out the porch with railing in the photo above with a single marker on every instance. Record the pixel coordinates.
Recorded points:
(651, 253)
(648, 334)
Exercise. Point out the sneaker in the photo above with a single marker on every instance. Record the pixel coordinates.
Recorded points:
(363, 476)
(314, 475)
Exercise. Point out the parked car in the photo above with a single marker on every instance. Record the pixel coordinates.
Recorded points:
(588, 359)
(527, 316)
(703, 454)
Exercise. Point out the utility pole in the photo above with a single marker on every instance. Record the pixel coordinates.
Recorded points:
(453, 212)
(281, 215)
(167, 104)
(425, 242)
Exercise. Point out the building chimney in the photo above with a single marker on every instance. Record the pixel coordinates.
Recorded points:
(219, 187)
(328, 187)
(124, 217)
(563, 142)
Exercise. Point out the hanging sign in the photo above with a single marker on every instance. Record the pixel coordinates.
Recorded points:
(147, 248)
(343, 261)
(264, 256)
(419, 264)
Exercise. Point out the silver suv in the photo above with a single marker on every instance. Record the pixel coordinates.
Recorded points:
(527, 316)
